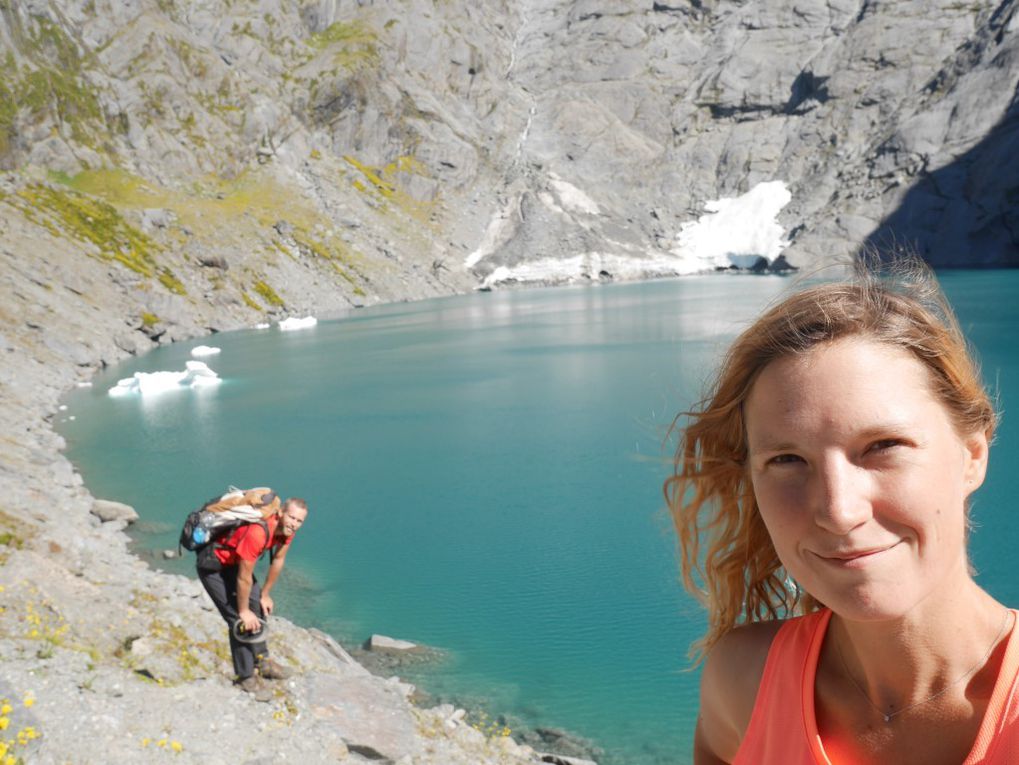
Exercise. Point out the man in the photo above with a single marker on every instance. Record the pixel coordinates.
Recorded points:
(226, 569)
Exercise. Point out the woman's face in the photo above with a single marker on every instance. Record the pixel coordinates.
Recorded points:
(861, 478)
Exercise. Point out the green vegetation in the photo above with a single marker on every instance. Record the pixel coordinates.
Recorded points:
(149, 320)
(383, 183)
(250, 303)
(171, 282)
(90, 219)
(268, 294)
(352, 44)
(50, 84)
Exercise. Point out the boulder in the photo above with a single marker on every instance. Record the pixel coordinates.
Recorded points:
(561, 759)
(107, 510)
(384, 643)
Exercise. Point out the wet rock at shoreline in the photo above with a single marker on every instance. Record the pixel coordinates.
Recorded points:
(108, 510)
(385, 643)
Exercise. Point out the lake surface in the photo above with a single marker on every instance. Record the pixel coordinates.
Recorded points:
(484, 475)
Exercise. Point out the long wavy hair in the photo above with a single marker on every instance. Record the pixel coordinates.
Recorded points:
(727, 558)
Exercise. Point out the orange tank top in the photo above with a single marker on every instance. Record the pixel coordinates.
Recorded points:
(783, 726)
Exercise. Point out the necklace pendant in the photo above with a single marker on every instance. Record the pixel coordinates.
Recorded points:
(888, 718)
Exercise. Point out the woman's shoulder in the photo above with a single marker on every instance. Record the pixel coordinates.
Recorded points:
(732, 674)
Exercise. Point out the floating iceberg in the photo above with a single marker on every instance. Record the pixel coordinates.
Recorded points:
(294, 323)
(204, 350)
(262, 325)
(197, 375)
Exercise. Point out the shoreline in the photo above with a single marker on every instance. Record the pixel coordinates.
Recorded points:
(106, 659)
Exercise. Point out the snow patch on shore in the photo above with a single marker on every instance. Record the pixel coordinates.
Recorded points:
(591, 266)
(196, 375)
(736, 231)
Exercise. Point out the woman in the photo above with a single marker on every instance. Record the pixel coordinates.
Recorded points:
(827, 475)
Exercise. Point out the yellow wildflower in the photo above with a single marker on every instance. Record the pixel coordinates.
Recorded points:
(10, 760)
(3, 748)
(29, 701)
(177, 746)
(161, 743)
(4, 722)
(146, 741)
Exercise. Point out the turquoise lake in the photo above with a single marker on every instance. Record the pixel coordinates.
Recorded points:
(484, 476)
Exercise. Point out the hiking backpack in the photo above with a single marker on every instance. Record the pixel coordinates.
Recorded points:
(222, 514)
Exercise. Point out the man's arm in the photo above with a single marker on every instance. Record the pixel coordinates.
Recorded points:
(275, 568)
(245, 577)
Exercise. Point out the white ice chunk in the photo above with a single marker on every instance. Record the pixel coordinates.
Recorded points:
(735, 231)
(62, 408)
(196, 375)
(263, 325)
(294, 323)
(204, 350)
(84, 385)
(199, 369)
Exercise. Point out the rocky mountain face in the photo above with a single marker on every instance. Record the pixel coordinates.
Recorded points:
(238, 157)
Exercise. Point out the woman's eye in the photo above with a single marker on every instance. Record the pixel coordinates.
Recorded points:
(784, 459)
(884, 444)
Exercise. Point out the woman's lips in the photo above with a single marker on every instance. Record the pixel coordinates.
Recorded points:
(856, 558)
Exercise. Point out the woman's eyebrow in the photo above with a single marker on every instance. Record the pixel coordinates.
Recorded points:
(883, 429)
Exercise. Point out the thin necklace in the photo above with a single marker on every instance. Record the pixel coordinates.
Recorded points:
(887, 716)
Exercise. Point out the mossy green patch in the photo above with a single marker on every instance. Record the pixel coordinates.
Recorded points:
(384, 183)
(351, 44)
(251, 303)
(268, 294)
(90, 219)
(116, 186)
(149, 320)
(171, 282)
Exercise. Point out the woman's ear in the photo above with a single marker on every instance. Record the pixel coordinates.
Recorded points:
(977, 453)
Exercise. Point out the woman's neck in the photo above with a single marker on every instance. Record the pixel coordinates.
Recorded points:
(907, 661)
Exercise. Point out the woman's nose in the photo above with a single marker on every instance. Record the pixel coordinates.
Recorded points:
(841, 502)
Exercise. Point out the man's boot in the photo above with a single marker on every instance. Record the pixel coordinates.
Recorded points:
(272, 670)
(254, 686)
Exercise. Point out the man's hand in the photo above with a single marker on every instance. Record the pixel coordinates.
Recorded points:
(251, 622)
(266, 603)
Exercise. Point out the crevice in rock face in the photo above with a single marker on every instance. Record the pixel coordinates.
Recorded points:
(807, 87)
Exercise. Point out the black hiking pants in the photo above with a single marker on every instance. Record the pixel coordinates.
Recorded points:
(222, 588)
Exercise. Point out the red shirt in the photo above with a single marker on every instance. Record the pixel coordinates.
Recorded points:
(248, 542)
